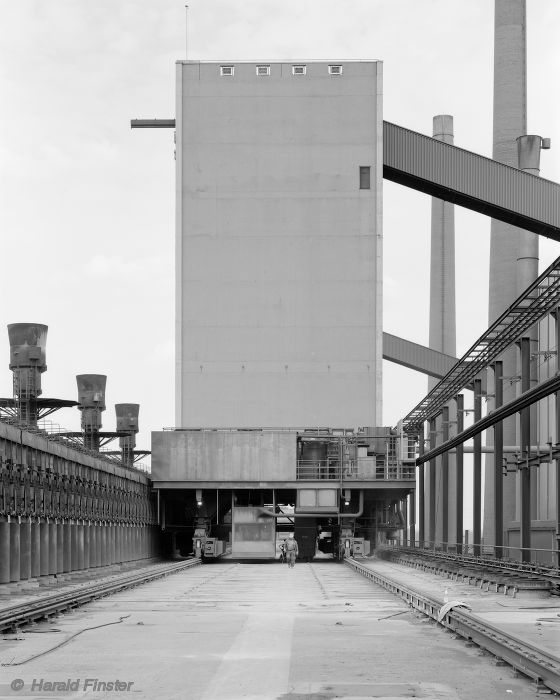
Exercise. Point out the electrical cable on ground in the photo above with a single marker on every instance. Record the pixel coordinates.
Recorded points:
(402, 612)
(61, 644)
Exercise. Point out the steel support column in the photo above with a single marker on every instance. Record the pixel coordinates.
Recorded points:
(80, 545)
(87, 544)
(14, 550)
(525, 471)
(403, 506)
(53, 547)
(411, 520)
(67, 551)
(4, 550)
(103, 544)
(44, 527)
(432, 492)
(498, 464)
(459, 400)
(60, 533)
(35, 548)
(74, 536)
(25, 549)
(557, 406)
(99, 543)
(557, 503)
(445, 480)
(421, 493)
(477, 469)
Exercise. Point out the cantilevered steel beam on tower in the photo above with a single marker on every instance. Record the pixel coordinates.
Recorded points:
(152, 123)
(471, 180)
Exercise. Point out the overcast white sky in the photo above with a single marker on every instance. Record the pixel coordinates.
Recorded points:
(87, 205)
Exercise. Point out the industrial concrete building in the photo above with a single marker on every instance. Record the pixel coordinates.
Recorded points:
(279, 298)
(279, 278)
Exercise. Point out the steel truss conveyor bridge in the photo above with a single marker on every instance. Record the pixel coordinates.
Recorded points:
(471, 180)
(458, 176)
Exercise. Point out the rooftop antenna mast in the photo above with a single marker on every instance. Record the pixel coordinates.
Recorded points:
(186, 32)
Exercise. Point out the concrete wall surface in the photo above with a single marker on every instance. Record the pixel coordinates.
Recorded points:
(278, 247)
(185, 455)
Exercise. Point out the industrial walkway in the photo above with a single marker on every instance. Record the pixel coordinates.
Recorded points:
(230, 630)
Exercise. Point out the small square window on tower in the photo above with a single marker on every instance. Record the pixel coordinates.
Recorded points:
(365, 177)
(299, 70)
(335, 69)
(226, 70)
(263, 70)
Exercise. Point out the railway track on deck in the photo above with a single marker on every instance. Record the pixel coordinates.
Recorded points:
(533, 662)
(16, 616)
(506, 566)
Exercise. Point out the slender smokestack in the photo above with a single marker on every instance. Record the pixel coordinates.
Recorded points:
(91, 402)
(27, 361)
(510, 122)
(442, 266)
(442, 327)
(127, 419)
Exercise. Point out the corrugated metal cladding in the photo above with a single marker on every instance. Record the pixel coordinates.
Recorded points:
(419, 357)
(471, 174)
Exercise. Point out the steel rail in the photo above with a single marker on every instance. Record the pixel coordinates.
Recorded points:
(533, 662)
(517, 567)
(17, 615)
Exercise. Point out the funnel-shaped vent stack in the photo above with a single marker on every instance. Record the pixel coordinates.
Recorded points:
(127, 421)
(91, 402)
(28, 360)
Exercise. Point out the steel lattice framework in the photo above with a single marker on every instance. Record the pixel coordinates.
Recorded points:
(539, 299)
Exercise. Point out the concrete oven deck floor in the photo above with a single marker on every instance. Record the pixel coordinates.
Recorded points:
(532, 616)
(230, 630)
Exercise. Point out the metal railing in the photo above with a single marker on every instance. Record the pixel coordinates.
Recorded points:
(363, 468)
